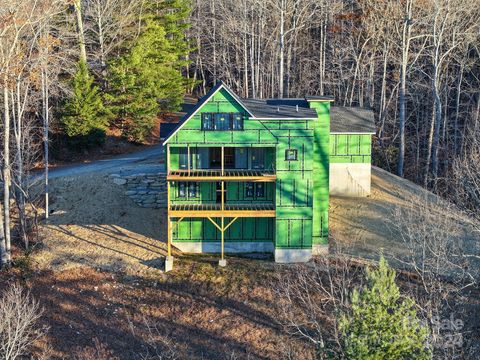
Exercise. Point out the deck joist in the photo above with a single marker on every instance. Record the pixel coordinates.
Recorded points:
(215, 210)
(217, 175)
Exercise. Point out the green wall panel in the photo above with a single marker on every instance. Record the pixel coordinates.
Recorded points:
(350, 148)
(321, 170)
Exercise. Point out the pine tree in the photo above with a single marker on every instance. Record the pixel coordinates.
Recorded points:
(148, 77)
(84, 117)
(381, 325)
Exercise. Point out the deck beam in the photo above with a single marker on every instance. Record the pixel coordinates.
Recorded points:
(192, 177)
(220, 213)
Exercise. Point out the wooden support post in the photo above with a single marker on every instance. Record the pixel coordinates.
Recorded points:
(223, 195)
(188, 159)
(169, 259)
(223, 160)
(222, 261)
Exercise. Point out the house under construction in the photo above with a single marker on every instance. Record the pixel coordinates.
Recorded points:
(249, 175)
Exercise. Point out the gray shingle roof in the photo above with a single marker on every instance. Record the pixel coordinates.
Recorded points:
(264, 109)
(351, 120)
(343, 119)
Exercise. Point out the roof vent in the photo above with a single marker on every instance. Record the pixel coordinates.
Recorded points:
(278, 108)
(296, 107)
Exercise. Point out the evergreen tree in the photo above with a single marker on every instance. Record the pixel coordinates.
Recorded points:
(381, 325)
(84, 117)
(148, 77)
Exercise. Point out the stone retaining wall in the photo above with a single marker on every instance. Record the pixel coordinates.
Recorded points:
(147, 190)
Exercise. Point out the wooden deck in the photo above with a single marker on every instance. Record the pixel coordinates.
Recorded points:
(218, 175)
(215, 210)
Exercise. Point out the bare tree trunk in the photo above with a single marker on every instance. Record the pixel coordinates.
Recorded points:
(429, 148)
(403, 81)
(46, 121)
(3, 247)
(457, 110)
(6, 170)
(81, 34)
(18, 106)
(282, 46)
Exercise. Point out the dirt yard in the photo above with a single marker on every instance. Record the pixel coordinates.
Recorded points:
(93, 223)
(99, 276)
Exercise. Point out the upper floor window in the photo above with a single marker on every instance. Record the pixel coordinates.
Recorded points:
(222, 121)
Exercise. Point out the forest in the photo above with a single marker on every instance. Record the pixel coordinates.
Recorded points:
(72, 71)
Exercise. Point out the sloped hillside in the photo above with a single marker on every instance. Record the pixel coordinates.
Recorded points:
(378, 223)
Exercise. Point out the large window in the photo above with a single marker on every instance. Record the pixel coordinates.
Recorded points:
(183, 158)
(188, 189)
(258, 158)
(222, 121)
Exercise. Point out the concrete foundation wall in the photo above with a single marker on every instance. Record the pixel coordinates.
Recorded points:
(292, 255)
(320, 249)
(347, 179)
(230, 247)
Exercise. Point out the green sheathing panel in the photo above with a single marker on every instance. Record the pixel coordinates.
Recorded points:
(243, 229)
(294, 195)
(254, 133)
(350, 148)
(321, 170)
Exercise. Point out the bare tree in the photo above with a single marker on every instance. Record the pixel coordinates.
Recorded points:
(310, 296)
(440, 248)
(19, 326)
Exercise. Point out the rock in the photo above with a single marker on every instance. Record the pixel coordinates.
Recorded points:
(119, 181)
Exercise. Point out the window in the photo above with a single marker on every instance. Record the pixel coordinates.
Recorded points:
(222, 121)
(193, 190)
(291, 154)
(181, 190)
(190, 188)
(249, 189)
(237, 121)
(207, 121)
(259, 190)
(183, 158)
(258, 158)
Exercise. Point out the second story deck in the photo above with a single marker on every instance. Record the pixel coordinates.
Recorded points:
(219, 175)
(221, 164)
